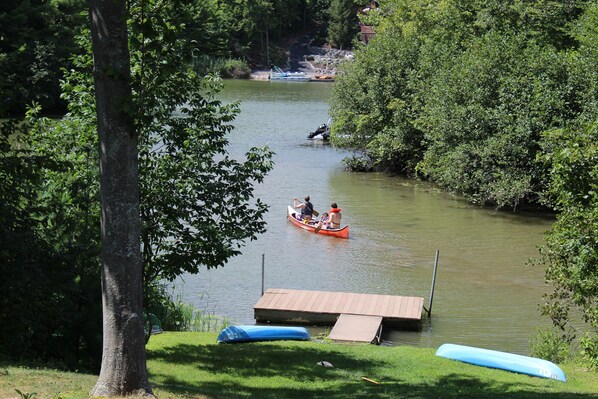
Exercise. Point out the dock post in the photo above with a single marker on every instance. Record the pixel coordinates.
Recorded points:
(263, 257)
(433, 283)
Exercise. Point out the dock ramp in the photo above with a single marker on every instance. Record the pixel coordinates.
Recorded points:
(357, 328)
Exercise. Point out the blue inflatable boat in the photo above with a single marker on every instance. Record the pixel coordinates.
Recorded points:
(502, 360)
(262, 333)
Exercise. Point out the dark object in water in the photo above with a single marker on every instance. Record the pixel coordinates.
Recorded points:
(321, 133)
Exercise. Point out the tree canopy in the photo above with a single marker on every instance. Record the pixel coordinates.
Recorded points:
(37, 40)
(460, 92)
(571, 250)
(343, 23)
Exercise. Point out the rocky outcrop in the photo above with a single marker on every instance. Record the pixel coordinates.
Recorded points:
(326, 59)
(314, 61)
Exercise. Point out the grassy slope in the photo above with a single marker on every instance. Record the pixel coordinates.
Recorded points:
(192, 365)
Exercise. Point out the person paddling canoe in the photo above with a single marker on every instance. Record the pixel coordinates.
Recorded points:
(307, 208)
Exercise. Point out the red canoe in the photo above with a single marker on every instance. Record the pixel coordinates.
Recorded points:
(340, 233)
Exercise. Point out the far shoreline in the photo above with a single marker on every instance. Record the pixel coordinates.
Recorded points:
(265, 75)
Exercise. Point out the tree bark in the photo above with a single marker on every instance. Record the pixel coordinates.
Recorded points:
(124, 370)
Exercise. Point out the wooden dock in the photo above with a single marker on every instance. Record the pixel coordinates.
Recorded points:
(324, 308)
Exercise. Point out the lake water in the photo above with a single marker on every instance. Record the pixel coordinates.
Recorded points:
(485, 295)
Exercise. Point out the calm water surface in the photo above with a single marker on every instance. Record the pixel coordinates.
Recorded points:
(485, 294)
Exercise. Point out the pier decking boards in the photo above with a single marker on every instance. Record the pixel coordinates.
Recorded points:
(325, 307)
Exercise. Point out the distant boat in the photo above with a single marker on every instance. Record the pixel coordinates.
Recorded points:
(321, 133)
(262, 333)
(340, 233)
(279, 74)
(322, 78)
(502, 360)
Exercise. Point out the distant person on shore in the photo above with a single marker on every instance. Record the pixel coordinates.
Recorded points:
(334, 219)
(307, 208)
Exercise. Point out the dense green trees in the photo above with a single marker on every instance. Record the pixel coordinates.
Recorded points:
(36, 40)
(343, 23)
(194, 198)
(484, 115)
(253, 31)
(571, 154)
(494, 100)
(460, 92)
(49, 229)
(571, 251)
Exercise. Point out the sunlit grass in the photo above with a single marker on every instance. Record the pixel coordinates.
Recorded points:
(193, 365)
(44, 383)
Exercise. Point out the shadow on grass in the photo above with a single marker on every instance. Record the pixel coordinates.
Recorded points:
(259, 360)
(236, 371)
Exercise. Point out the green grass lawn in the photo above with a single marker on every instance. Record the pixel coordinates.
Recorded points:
(193, 365)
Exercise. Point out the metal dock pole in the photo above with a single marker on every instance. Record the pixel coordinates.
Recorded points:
(433, 283)
(263, 261)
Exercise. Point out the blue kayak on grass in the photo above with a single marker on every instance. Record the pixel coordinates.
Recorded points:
(502, 360)
(262, 333)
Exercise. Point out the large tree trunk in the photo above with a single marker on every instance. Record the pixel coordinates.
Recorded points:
(124, 369)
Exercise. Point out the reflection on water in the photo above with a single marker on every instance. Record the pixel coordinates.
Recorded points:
(485, 295)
